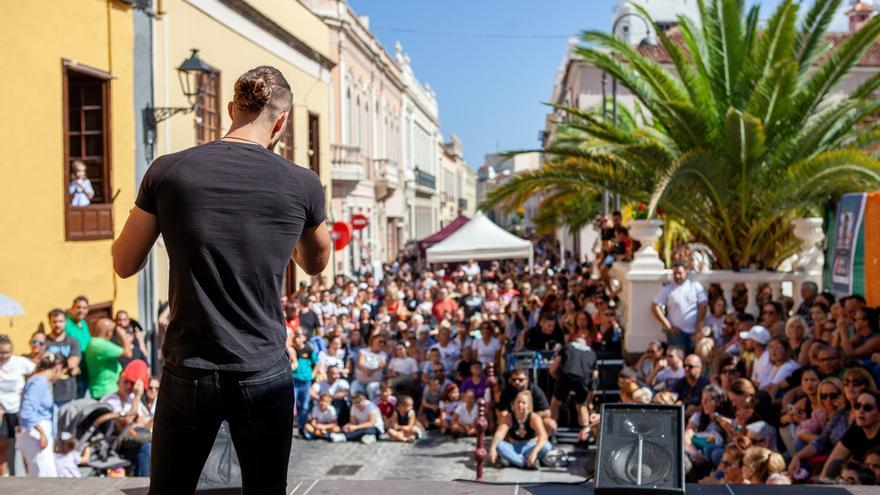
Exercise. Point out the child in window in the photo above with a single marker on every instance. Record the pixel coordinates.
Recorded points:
(322, 420)
(81, 191)
(464, 418)
(403, 426)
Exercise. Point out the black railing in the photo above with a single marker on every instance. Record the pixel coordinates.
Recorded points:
(425, 179)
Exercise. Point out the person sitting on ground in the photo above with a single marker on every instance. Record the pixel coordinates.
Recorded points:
(689, 389)
(476, 382)
(403, 426)
(519, 381)
(403, 370)
(370, 367)
(365, 424)
(448, 404)
(464, 418)
(102, 357)
(667, 371)
(386, 402)
(781, 367)
(429, 412)
(521, 439)
(338, 388)
(322, 420)
(702, 433)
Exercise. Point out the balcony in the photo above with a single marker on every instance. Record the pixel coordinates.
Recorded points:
(347, 163)
(387, 177)
(426, 180)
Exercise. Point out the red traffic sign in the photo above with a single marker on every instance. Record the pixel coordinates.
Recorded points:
(358, 222)
(341, 234)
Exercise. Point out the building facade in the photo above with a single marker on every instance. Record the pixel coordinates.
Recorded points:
(496, 170)
(73, 102)
(453, 185)
(232, 37)
(365, 136)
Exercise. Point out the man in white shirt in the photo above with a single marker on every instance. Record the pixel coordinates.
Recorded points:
(471, 269)
(686, 304)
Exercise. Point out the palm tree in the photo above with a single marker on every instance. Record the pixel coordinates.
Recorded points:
(739, 139)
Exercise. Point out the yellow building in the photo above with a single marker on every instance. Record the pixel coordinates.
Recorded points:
(67, 88)
(233, 36)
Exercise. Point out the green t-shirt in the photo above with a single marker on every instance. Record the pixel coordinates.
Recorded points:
(79, 331)
(102, 360)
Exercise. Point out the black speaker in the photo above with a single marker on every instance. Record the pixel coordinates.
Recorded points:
(640, 450)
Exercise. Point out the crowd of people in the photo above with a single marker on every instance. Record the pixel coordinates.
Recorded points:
(68, 365)
(785, 396)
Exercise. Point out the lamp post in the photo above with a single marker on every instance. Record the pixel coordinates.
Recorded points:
(648, 40)
(188, 74)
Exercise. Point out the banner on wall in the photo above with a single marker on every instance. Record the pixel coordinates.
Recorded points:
(848, 223)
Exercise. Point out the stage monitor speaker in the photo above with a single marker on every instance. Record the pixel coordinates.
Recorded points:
(640, 450)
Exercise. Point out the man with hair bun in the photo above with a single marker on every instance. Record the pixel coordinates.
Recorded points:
(232, 214)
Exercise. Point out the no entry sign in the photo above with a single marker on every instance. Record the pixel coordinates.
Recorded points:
(359, 222)
(341, 234)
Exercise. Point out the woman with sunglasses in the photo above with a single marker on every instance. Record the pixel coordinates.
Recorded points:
(835, 407)
(38, 347)
(13, 371)
(856, 381)
(863, 434)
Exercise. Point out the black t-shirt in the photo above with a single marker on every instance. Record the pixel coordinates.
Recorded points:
(857, 442)
(472, 304)
(308, 320)
(577, 360)
(508, 394)
(536, 340)
(64, 390)
(230, 215)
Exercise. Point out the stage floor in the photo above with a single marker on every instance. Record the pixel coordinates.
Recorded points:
(134, 486)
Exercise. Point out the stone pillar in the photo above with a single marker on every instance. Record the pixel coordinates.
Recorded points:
(811, 259)
(640, 281)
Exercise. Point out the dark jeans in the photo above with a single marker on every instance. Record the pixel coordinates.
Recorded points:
(258, 407)
(301, 391)
(140, 459)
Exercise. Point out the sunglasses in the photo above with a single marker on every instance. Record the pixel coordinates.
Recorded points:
(729, 371)
(853, 383)
(861, 406)
(831, 396)
(691, 366)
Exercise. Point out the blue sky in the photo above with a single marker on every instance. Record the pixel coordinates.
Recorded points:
(490, 90)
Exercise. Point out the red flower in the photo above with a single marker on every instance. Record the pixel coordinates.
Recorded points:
(641, 207)
(660, 211)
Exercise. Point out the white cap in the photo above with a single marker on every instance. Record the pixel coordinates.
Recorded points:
(757, 333)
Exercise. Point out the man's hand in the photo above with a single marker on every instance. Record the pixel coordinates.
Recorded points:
(44, 441)
(138, 389)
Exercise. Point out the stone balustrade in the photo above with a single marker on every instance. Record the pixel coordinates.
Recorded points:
(347, 163)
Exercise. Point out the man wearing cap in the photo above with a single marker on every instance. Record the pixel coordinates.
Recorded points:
(686, 302)
(131, 417)
(755, 341)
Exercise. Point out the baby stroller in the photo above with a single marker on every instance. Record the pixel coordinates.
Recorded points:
(90, 423)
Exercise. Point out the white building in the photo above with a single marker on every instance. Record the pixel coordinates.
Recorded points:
(497, 169)
(421, 149)
(457, 183)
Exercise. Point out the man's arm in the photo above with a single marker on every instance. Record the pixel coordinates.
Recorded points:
(312, 251)
(131, 248)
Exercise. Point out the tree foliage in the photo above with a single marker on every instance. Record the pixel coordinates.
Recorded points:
(743, 135)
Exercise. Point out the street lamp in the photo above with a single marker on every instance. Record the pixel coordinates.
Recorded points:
(648, 40)
(188, 74)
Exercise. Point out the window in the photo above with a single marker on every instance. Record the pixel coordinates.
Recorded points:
(208, 108)
(314, 144)
(86, 98)
(285, 144)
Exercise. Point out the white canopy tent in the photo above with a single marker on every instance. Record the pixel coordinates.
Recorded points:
(480, 239)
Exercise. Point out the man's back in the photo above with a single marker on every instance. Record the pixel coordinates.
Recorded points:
(230, 214)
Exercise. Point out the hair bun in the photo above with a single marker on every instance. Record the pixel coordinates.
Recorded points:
(253, 92)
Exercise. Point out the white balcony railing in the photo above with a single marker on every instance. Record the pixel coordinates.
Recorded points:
(347, 163)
